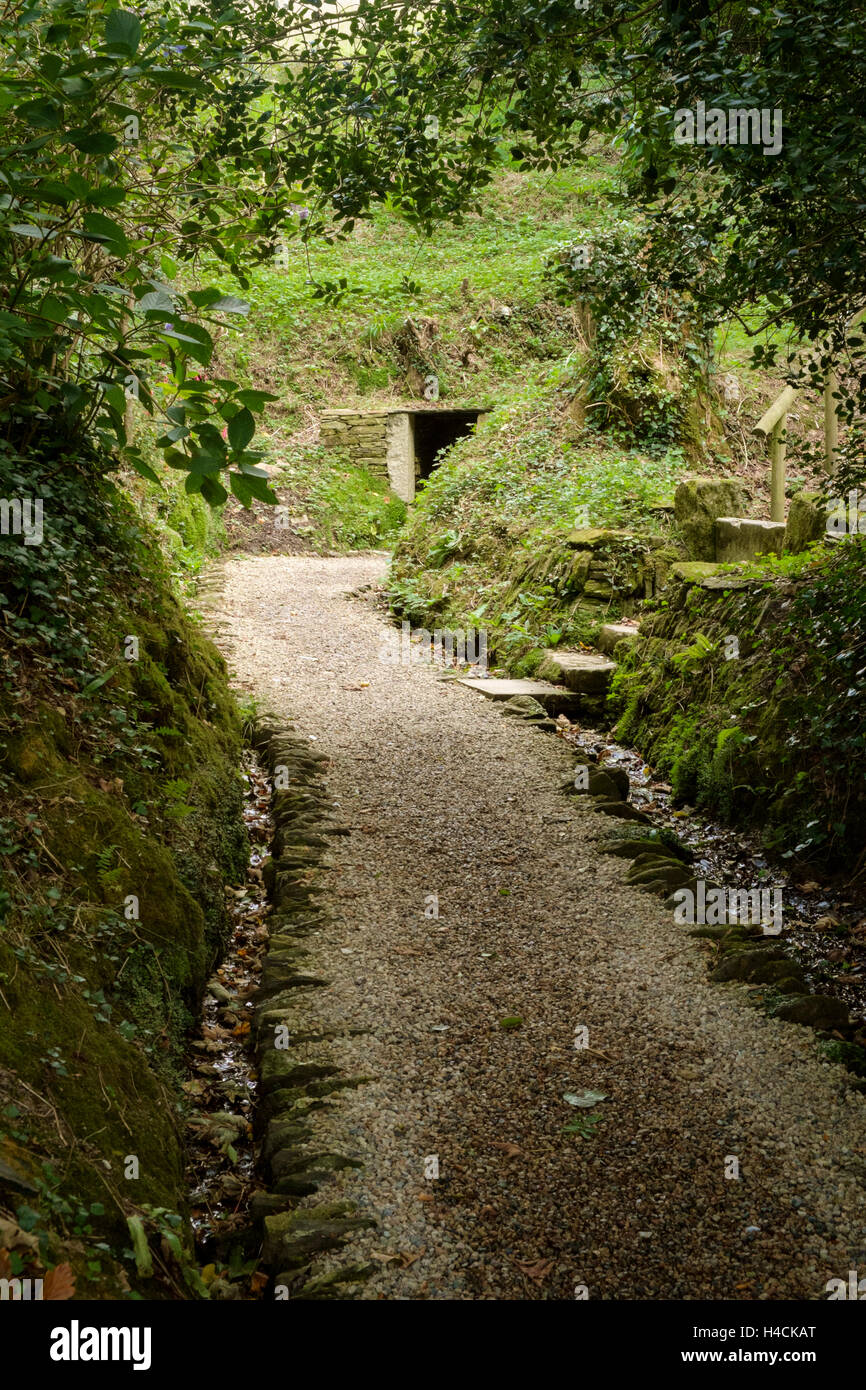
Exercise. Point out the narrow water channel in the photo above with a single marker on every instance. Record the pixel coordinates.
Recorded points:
(222, 1084)
(824, 927)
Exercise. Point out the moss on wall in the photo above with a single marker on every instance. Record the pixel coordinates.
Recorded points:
(746, 691)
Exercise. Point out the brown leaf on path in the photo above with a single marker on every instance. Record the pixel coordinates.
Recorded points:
(537, 1271)
(58, 1284)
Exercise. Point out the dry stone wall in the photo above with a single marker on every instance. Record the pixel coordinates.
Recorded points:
(361, 435)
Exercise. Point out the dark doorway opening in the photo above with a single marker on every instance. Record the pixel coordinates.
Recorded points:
(435, 430)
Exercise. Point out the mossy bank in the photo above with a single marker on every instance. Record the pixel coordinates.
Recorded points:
(746, 690)
(120, 823)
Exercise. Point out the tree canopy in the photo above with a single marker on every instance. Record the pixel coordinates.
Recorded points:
(138, 147)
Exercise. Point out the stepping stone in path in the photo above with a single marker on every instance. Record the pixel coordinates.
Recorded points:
(556, 699)
(587, 673)
(611, 633)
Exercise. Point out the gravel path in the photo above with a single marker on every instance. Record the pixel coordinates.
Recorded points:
(445, 796)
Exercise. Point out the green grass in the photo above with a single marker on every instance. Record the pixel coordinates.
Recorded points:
(348, 507)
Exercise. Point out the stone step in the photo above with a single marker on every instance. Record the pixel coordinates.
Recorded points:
(586, 673)
(556, 699)
(611, 633)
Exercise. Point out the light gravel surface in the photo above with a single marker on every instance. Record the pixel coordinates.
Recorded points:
(446, 796)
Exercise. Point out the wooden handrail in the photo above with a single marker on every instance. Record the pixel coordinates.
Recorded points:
(773, 424)
(780, 407)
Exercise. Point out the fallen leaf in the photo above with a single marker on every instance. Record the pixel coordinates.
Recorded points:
(537, 1271)
(584, 1099)
(58, 1284)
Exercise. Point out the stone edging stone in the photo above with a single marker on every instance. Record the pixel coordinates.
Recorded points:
(299, 1083)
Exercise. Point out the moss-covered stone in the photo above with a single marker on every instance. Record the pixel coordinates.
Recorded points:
(814, 1011)
(697, 504)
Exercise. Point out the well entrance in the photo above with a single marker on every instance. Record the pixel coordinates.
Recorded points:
(434, 430)
(403, 444)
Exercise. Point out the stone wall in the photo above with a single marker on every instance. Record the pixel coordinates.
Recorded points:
(362, 435)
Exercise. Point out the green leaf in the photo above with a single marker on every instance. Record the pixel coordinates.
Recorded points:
(92, 141)
(212, 491)
(98, 681)
(156, 300)
(179, 81)
(123, 30)
(109, 197)
(106, 231)
(50, 191)
(230, 304)
(246, 487)
(136, 462)
(242, 427)
(140, 1247)
(255, 399)
(41, 113)
(76, 86)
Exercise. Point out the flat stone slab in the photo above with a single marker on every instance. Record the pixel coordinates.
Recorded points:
(743, 538)
(586, 673)
(556, 699)
(611, 633)
(589, 537)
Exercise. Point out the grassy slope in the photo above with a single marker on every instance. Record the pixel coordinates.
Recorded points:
(317, 347)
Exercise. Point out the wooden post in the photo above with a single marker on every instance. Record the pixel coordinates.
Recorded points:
(831, 419)
(777, 470)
